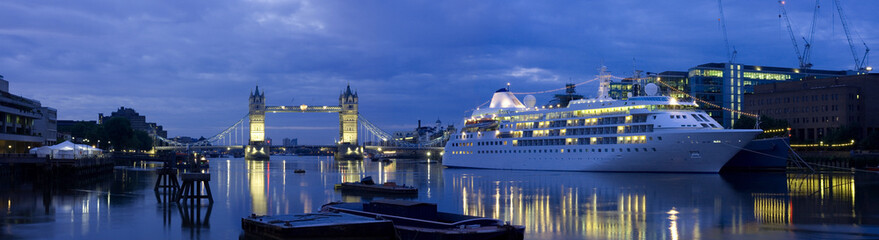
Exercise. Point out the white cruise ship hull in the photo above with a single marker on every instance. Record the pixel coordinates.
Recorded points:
(678, 151)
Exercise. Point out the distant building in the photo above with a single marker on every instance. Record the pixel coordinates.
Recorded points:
(291, 142)
(47, 126)
(24, 123)
(818, 107)
(673, 83)
(422, 134)
(723, 85)
(562, 100)
(184, 139)
(138, 122)
(624, 89)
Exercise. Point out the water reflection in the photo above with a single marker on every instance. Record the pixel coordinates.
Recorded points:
(552, 205)
(256, 176)
(631, 206)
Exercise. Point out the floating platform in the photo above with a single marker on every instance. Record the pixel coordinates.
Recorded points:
(386, 188)
(319, 226)
(419, 220)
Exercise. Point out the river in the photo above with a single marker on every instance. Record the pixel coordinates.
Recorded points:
(551, 205)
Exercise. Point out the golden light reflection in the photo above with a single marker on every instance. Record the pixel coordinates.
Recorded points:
(771, 208)
(558, 209)
(256, 176)
(673, 224)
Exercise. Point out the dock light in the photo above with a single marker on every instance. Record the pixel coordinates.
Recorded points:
(303, 107)
(869, 69)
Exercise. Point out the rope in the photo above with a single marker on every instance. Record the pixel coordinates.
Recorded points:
(706, 102)
(557, 89)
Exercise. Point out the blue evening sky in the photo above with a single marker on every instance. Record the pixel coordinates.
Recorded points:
(190, 65)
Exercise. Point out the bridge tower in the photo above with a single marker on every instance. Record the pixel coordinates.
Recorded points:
(347, 146)
(256, 149)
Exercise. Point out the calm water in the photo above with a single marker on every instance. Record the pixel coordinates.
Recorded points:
(552, 205)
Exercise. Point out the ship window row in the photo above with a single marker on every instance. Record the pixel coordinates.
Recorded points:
(588, 131)
(570, 150)
(583, 141)
(464, 136)
(462, 152)
(593, 112)
(612, 110)
(579, 122)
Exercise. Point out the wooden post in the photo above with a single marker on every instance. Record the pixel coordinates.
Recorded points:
(192, 188)
(167, 179)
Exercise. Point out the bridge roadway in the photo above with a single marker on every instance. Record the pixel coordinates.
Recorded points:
(303, 109)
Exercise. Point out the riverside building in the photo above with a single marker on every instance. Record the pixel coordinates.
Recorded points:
(815, 108)
(24, 122)
(724, 85)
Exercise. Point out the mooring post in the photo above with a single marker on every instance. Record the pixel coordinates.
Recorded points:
(192, 188)
(167, 179)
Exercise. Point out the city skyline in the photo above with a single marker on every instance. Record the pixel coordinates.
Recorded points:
(191, 66)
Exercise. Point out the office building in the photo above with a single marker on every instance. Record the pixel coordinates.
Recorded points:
(815, 108)
(723, 85)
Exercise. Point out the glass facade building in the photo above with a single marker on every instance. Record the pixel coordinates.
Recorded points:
(723, 85)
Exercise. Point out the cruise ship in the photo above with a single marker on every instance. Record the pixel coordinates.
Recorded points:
(641, 134)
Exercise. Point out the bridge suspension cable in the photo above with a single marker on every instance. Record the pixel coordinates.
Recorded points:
(223, 135)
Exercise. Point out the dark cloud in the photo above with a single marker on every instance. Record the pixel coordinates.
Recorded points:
(189, 65)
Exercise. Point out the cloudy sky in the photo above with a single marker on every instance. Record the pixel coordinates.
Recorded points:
(190, 65)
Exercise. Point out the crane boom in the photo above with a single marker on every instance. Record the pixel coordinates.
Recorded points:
(859, 64)
(731, 56)
(790, 32)
(807, 50)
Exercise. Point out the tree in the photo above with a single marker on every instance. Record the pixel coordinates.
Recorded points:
(143, 141)
(843, 134)
(89, 133)
(871, 141)
(119, 132)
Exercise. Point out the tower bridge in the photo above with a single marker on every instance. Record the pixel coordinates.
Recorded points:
(356, 134)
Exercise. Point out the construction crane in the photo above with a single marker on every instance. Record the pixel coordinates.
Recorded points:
(804, 58)
(807, 51)
(790, 32)
(860, 64)
(731, 56)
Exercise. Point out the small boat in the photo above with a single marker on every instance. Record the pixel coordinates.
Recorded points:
(378, 157)
(367, 185)
(318, 226)
(419, 220)
(299, 171)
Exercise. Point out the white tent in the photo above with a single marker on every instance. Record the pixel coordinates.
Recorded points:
(69, 150)
(41, 151)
